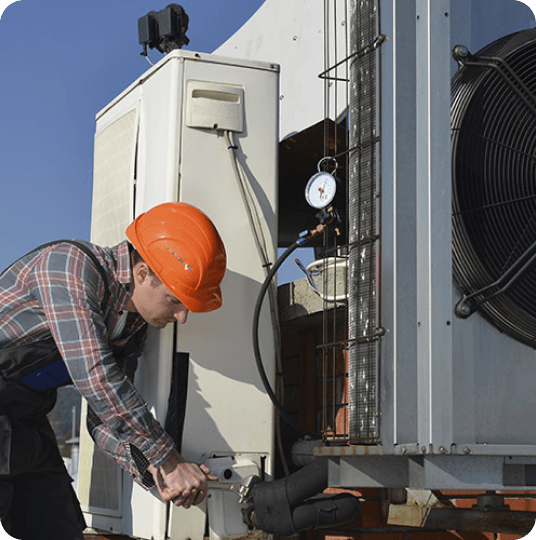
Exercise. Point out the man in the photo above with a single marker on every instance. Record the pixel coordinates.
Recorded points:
(73, 312)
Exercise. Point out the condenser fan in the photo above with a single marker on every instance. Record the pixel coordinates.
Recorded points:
(494, 183)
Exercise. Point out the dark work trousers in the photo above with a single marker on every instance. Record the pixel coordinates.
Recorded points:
(37, 501)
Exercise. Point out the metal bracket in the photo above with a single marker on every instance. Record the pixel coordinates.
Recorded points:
(357, 54)
(463, 56)
(467, 305)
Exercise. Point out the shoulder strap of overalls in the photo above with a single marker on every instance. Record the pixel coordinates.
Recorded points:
(86, 250)
(44, 368)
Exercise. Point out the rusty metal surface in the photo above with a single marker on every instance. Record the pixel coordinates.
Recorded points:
(423, 509)
(507, 522)
(360, 450)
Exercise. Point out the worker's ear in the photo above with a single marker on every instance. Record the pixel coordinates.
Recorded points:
(140, 272)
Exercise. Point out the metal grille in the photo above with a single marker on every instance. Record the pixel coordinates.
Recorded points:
(350, 341)
(494, 193)
(362, 223)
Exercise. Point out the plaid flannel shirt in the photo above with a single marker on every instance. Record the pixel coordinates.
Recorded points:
(58, 291)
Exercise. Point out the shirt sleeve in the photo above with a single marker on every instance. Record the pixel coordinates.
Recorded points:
(69, 290)
(125, 454)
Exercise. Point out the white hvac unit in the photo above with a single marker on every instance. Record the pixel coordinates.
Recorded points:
(167, 138)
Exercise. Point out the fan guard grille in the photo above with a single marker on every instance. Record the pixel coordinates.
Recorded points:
(494, 179)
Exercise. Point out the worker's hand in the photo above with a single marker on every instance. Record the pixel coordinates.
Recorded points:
(182, 482)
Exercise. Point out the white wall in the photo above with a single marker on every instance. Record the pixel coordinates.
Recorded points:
(291, 33)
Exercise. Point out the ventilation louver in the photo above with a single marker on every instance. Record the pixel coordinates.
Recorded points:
(494, 182)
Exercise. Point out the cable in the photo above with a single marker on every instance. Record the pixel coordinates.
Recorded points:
(249, 200)
(256, 315)
(258, 234)
(260, 241)
(256, 226)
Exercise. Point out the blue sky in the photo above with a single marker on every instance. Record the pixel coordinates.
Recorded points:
(62, 61)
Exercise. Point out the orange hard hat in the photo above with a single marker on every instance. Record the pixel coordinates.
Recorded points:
(183, 248)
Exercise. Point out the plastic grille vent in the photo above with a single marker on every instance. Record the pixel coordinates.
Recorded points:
(494, 179)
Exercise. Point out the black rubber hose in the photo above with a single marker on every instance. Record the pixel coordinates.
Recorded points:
(326, 511)
(275, 501)
(256, 349)
(307, 481)
(283, 507)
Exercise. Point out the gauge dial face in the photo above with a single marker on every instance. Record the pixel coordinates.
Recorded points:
(320, 190)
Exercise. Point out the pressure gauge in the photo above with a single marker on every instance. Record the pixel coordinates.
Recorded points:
(320, 190)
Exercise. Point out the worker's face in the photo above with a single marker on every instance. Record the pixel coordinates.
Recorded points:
(157, 305)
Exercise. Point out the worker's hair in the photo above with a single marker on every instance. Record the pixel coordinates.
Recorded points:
(135, 258)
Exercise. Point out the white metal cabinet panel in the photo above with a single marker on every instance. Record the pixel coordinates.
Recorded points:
(476, 23)
(399, 246)
(228, 412)
(494, 375)
(434, 252)
(159, 135)
(473, 384)
(494, 392)
(233, 398)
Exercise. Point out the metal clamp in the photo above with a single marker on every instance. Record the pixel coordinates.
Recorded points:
(241, 489)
